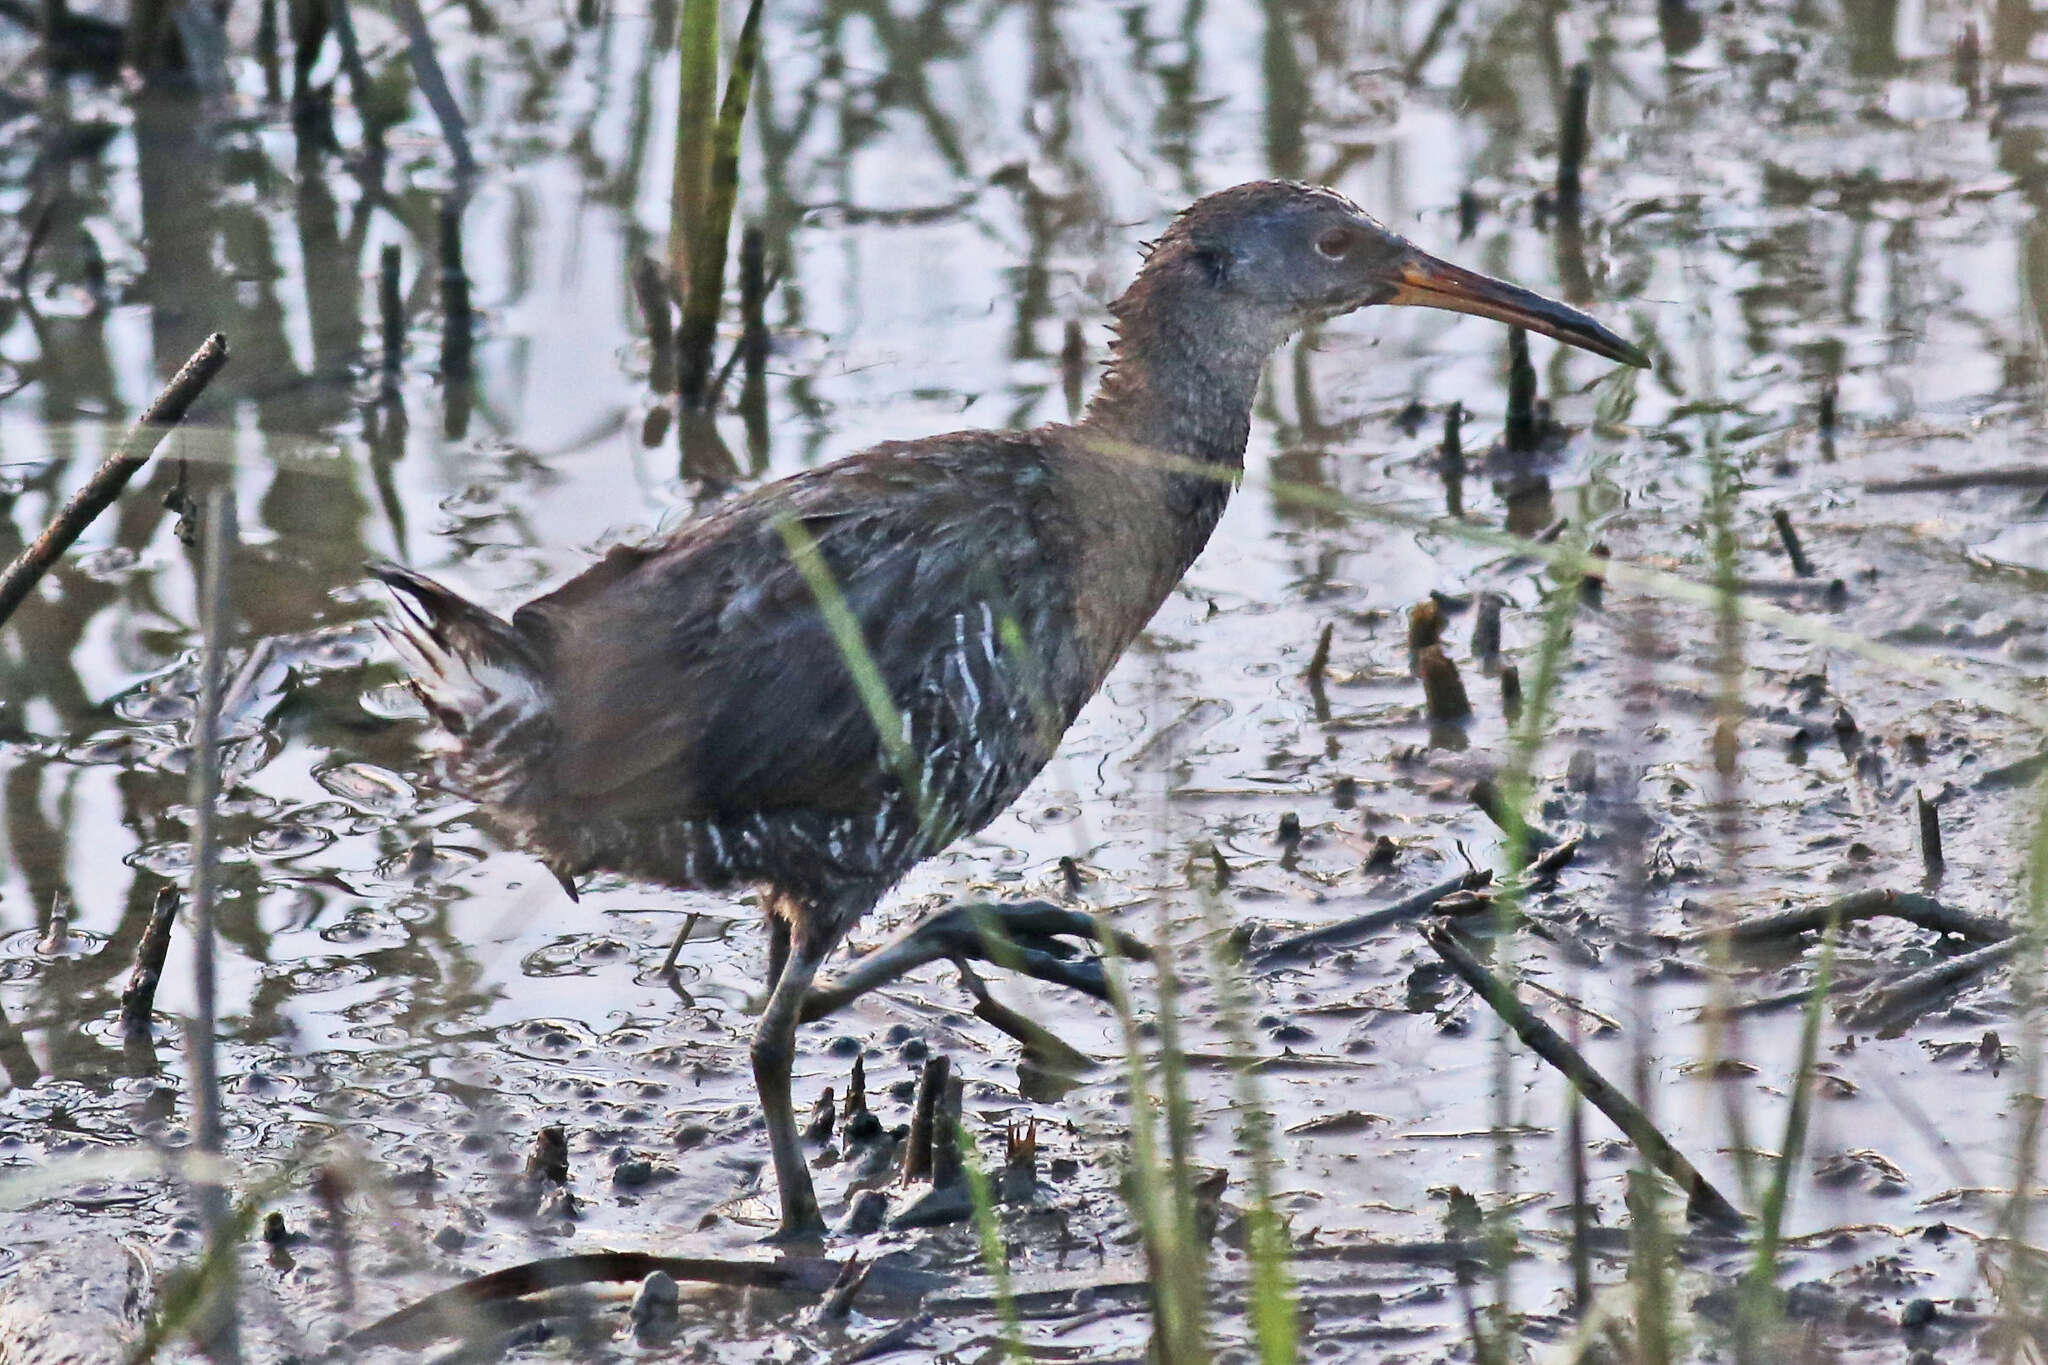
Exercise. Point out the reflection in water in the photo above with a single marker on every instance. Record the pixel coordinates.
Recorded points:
(1786, 202)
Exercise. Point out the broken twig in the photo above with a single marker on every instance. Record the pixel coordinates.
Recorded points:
(454, 1311)
(1443, 691)
(138, 997)
(1930, 833)
(1041, 1043)
(1703, 1201)
(1788, 536)
(924, 1115)
(1925, 911)
(1536, 840)
(1917, 991)
(1372, 921)
(106, 483)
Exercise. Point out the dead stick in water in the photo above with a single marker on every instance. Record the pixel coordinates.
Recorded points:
(675, 949)
(138, 997)
(1486, 627)
(432, 82)
(391, 313)
(947, 1166)
(1520, 433)
(1452, 460)
(1318, 666)
(1919, 990)
(1425, 625)
(1930, 833)
(1703, 1201)
(652, 290)
(1358, 926)
(1571, 142)
(1319, 662)
(1925, 911)
(931, 1090)
(2019, 476)
(1789, 537)
(451, 1310)
(106, 483)
(897, 1338)
(1535, 839)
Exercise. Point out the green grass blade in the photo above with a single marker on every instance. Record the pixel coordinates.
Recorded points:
(993, 1252)
(708, 234)
(696, 116)
(2021, 1290)
(868, 681)
(1757, 1309)
(1274, 1312)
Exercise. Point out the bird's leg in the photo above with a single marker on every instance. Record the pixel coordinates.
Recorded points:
(778, 945)
(1023, 936)
(804, 945)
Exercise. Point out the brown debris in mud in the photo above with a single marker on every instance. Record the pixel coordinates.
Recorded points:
(1443, 691)
(823, 1116)
(1425, 626)
(547, 1159)
(1318, 668)
(1042, 1047)
(651, 289)
(1571, 141)
(1521, 433)
(948, 1169)
(1486, 629)
(1920, 990)
(1511, 693)
(1451, 460)
(2012, 476)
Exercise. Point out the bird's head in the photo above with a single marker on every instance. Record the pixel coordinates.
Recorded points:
(1294, 254)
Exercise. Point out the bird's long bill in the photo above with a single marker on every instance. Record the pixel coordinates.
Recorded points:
(1426, 282)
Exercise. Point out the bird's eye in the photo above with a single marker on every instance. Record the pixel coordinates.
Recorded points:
(1337, 242)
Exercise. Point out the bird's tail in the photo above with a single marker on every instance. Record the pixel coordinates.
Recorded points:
(477, 676)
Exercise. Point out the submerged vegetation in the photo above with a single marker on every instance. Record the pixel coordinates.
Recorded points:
(1600, 920)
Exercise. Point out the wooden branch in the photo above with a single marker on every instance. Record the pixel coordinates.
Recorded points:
(100, 491)
(1703, 1201)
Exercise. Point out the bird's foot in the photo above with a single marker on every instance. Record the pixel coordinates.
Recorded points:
(1028, 937)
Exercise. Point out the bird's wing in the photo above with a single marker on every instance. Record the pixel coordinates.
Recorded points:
(699, 677)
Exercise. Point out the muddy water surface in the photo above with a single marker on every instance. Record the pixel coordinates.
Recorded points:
(1782, 201)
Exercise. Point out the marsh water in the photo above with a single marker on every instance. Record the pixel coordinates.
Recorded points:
(1784, 201)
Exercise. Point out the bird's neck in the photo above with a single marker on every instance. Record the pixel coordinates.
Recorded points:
(1176, 398)
(1183, 371)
